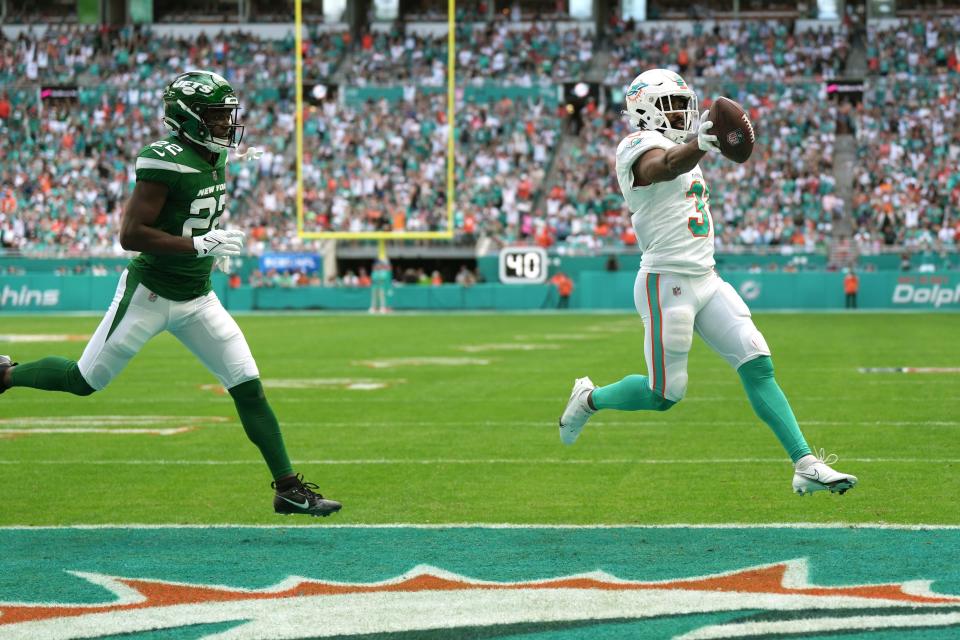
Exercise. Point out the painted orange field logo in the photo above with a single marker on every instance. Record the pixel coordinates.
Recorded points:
(430, 598)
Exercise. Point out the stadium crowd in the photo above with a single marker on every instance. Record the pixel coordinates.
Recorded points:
(748, 50)
(780, 197)
(486, 51)
(380, 165)
(907, 180)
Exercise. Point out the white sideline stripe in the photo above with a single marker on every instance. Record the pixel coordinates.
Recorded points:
(431, 461)
(150, 163)
(506, 525)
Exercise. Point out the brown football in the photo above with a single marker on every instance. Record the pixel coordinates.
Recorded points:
(733, 129)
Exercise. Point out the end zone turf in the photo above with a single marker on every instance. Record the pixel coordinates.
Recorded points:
(479, 582)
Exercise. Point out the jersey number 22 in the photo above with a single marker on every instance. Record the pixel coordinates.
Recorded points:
(203, 214)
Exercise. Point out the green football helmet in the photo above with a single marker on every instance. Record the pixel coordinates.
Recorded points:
(190, 106)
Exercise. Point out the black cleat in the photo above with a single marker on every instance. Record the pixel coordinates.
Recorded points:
(5, 363)
(301, 499)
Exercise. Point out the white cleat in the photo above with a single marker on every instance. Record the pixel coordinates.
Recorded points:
(577, 411)
(816, 474)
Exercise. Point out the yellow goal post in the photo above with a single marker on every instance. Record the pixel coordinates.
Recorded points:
(378, 235)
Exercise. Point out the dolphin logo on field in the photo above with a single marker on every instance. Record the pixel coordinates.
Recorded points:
(427, 598)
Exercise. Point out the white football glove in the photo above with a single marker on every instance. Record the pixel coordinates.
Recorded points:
(251, 154)
(219, 242)
(706, 141)
(222, 263)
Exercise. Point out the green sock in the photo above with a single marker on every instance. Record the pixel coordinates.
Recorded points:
(772, 406)
(261, 426)
(51, 374)
(633, 393)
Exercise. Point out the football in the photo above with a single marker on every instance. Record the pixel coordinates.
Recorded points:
(733, 129)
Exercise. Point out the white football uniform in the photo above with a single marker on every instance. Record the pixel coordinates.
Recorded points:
(137, 314)
(677, 290)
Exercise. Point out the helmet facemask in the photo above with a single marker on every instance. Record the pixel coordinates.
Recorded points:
(225, 119)
(200, 106)
(659, 100)
(680, 115)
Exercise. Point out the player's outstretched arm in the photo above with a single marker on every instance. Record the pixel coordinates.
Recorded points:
(658, 165)
(137, 232)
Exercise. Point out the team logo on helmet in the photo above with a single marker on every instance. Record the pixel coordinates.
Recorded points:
(192, 104)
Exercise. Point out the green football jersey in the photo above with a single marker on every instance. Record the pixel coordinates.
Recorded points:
(195, 200)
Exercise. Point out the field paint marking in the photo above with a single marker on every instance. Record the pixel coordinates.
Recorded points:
(350, 384)
(639, 423)
(277, 399)
(909, 369)
(386, 363)
(431, 461)
(99, 421)
(554, 336)
(121, 431)
(84, 421)
(505, 525)
(810, 626)
(507, 346)
(42, 337)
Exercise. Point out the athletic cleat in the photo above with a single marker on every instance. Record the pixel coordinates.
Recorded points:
(818, 476)
(577, 411)
(5, 363)
(301, 499)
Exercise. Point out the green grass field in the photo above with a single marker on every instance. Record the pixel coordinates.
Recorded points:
(414, 446)
(478, 442)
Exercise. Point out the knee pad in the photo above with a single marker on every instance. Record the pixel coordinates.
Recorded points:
(661, 403)
(249, 391)
(76, 384)
(678, 330)
(759, 368)
(677, 340)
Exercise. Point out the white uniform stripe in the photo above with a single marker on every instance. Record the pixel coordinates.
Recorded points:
(150, 163)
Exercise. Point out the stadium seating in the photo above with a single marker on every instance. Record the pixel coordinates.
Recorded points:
(379, 165)
(907, 184)
(780, 197)
(485, 51)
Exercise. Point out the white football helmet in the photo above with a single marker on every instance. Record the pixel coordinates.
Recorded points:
(656, 94)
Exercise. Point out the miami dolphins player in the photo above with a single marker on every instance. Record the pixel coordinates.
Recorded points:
(172, 218)
(677, 290)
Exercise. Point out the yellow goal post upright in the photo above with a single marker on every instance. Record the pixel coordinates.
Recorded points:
(380, 236)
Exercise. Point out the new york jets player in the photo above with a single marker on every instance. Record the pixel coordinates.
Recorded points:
(677, 291)
(172, 218)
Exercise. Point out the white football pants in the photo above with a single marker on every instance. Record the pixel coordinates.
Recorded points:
(672, 307)
(135, 316)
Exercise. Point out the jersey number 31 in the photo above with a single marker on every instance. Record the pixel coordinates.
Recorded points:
(699, 224)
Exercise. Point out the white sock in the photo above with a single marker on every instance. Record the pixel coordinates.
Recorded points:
(805, 461)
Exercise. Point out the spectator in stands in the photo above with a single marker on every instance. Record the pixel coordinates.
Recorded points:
(363, 280)
(465, 277)
(350, 279)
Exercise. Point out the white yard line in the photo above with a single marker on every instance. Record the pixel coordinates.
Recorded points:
(505, 525)
(113, 432)
(476, 461)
